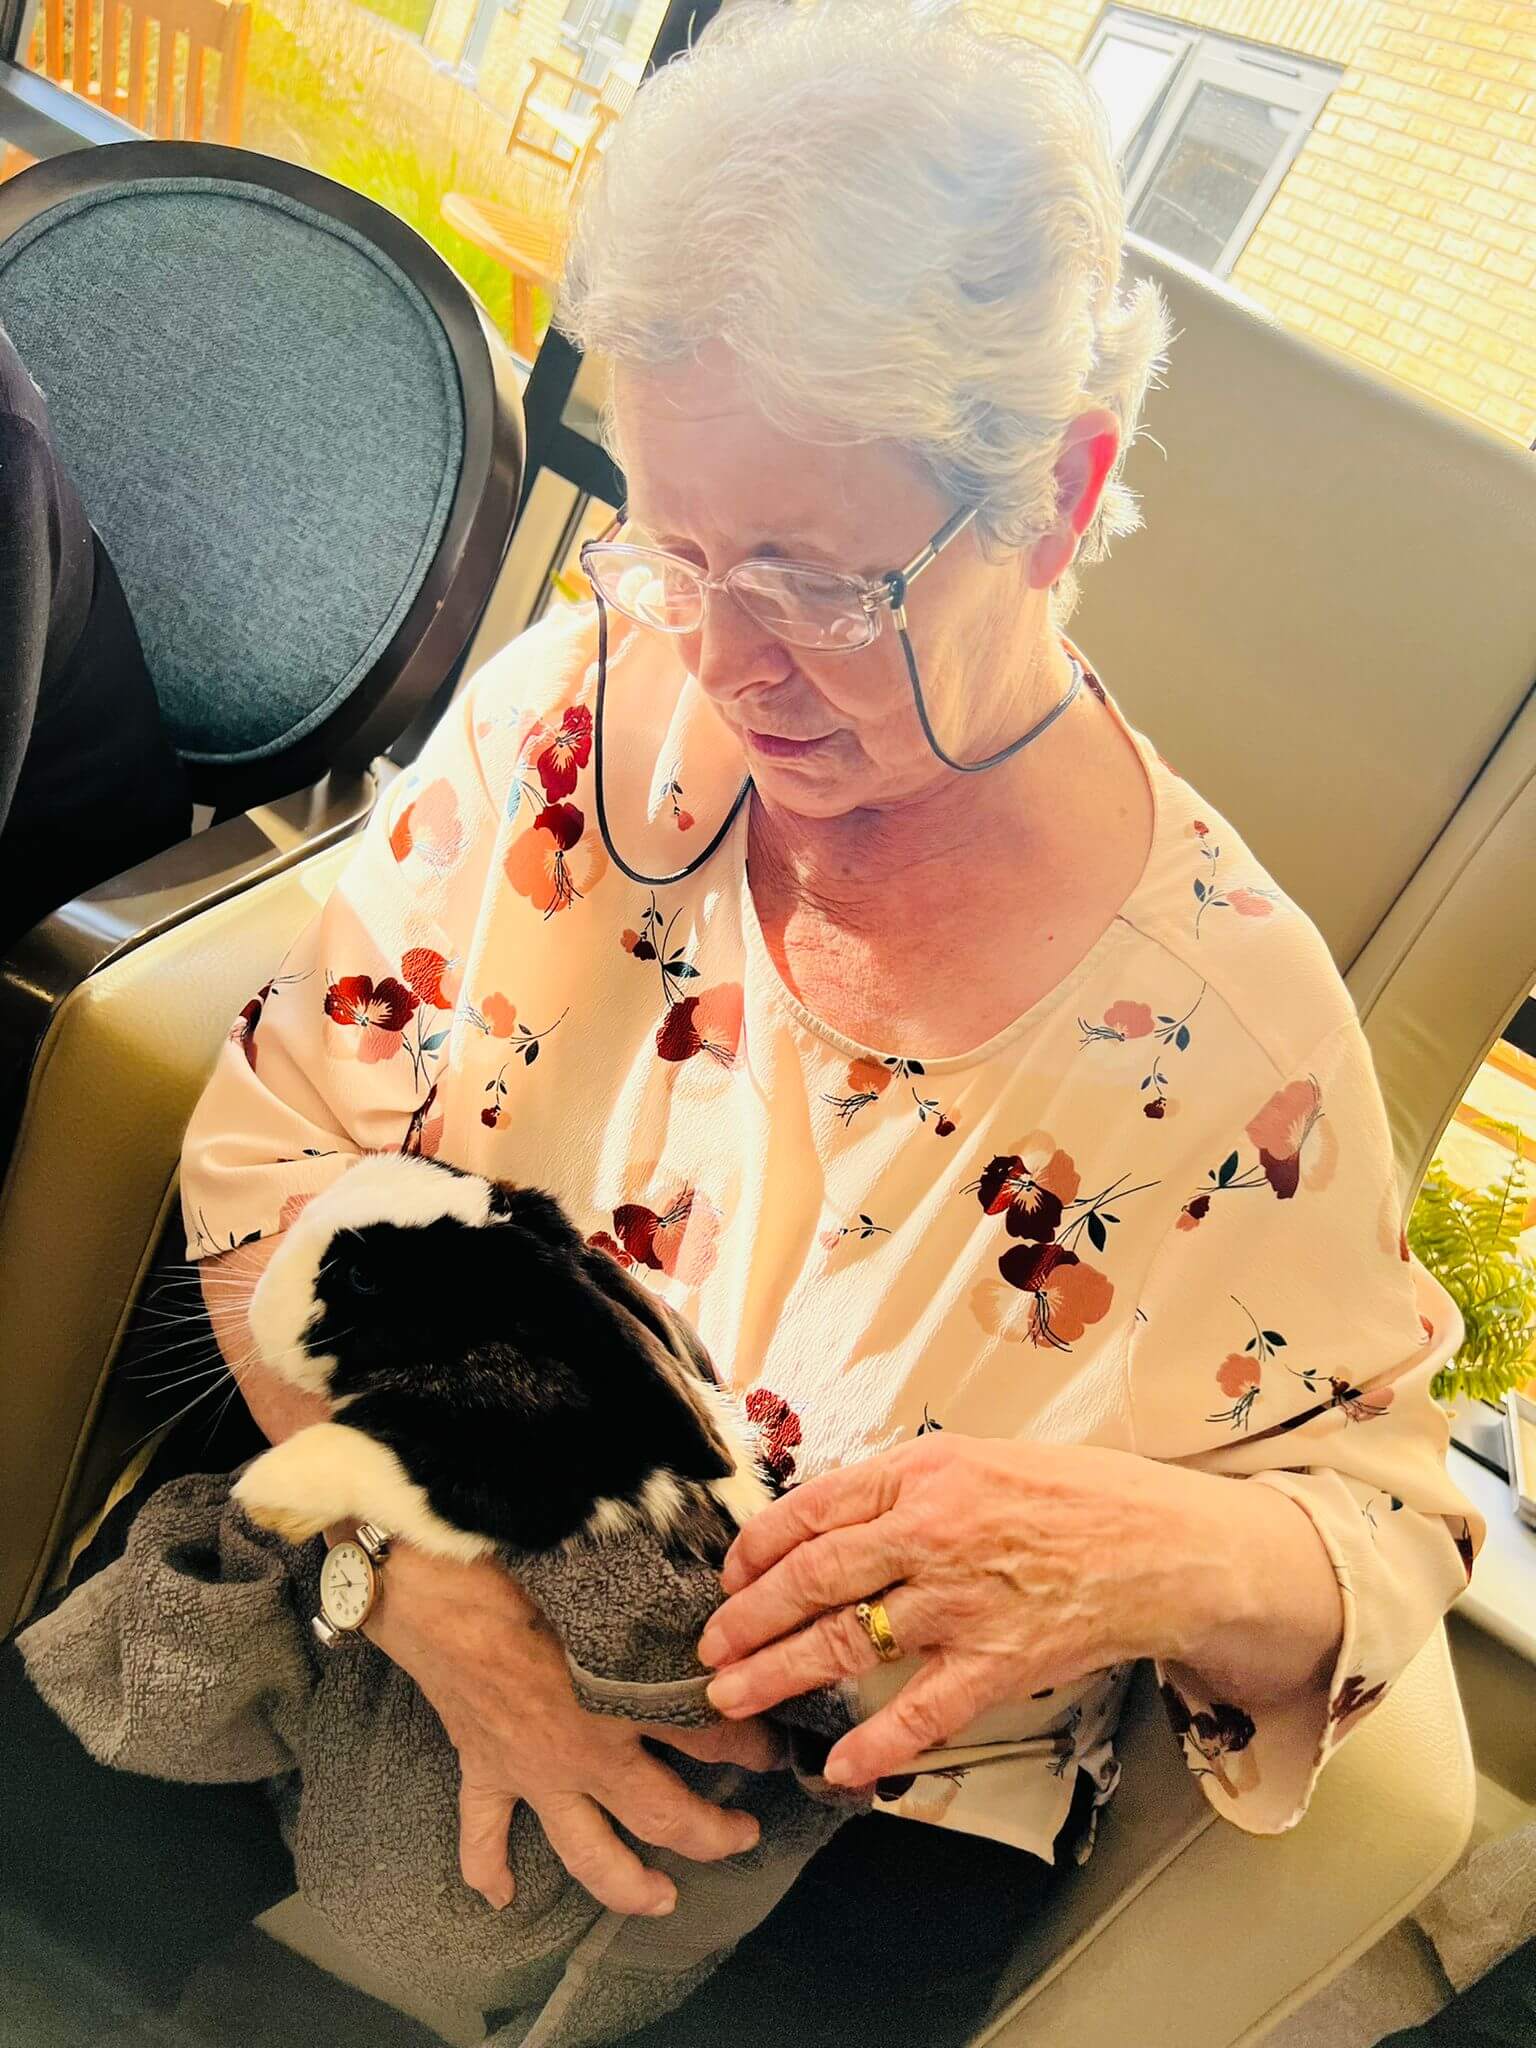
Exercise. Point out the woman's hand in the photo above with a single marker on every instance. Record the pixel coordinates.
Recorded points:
(1012, 1566)
(494, 1671)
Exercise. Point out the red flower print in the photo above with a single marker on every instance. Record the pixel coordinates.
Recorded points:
(778, 1432)
(563, 823)
(551, 863)
(493, 1116)
(944, 1128)
(243, 1031)
(1402, 1246)
(400, 834)
(1281, 1130)
(380, 1011)
(601, 1241)
(684, 821)
(641, 948)
(678, 1240)
(1030, 1187)
(353, 999)
(569, 750)
(1216, 1734)
(1464, 1548)
(1353, 1698)
(1201, 831)
(424, 1131)
(1129, 1020)
(1193, 1212)
(710, 1023)
(424, 970)
(1157, 1108)
(1049, 1299)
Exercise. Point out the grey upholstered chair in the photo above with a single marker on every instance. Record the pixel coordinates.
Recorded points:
(303, 445)
(299, 439)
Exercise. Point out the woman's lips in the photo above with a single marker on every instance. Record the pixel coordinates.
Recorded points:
(781, 749)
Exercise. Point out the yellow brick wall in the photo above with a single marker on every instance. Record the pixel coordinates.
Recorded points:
(1404, 233)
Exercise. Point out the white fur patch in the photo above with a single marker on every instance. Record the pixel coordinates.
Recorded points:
(389, 1189)
(328, 1473)
(746, 1493)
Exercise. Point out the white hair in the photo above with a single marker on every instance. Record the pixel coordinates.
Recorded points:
(904, 227)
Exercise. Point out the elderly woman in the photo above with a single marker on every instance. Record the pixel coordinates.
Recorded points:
(806, 914)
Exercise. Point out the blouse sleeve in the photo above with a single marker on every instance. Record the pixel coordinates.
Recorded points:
(341, 1052)
(1286, 1335)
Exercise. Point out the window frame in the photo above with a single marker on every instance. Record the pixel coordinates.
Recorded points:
(1301, 85)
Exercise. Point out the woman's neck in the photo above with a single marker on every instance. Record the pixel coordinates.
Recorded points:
(901, 864)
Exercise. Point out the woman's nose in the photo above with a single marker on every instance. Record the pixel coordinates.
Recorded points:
(731, 654)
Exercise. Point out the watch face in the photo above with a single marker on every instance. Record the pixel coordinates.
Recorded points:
(346, 1585)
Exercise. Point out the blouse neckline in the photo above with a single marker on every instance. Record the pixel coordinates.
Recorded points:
(949, 1063)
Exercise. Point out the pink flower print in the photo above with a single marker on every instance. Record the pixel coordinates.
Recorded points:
(1130, 1020)
(436, 830)
(500, 1015)
(1248, 903)
(1296, 1144)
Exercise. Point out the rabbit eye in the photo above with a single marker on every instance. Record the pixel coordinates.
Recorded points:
(361, 1281)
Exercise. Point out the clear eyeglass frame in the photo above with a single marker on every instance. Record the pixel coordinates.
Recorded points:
(801, 603)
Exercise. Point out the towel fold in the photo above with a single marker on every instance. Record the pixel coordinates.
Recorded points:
(191, 1657)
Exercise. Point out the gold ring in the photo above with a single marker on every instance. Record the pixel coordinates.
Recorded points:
(877, 1626)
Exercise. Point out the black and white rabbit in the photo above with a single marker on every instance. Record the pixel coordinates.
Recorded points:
(497, 1384)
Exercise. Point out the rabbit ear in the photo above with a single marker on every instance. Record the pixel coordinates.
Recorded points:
(678, 1360)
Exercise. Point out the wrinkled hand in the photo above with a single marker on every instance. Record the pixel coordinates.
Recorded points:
(496, 1675)
(1013, 1566)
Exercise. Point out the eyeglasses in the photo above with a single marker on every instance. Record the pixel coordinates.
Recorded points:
(798, 602)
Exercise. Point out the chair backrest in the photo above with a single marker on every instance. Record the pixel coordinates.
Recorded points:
(298, 437)
(160, 81)
(1328, 624)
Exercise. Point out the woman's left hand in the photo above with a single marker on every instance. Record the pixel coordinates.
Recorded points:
(1008, 1566)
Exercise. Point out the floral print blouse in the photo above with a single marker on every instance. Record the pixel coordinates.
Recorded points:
(1158, 1212)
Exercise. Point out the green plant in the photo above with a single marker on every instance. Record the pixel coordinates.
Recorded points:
(1469, 1239)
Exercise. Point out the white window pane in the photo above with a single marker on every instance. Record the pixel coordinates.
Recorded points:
(1202, 186)
(1127, 77)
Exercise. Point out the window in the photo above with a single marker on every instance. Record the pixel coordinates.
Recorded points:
(1205, 130)
(473, 120)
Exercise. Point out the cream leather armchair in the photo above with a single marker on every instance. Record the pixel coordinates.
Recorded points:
(1325, 559)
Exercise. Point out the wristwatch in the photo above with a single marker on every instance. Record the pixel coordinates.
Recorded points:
(349, 1584)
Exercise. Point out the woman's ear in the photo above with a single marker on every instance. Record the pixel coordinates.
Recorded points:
(1082, 470)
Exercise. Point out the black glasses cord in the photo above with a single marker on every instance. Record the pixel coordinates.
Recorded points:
(599, 725)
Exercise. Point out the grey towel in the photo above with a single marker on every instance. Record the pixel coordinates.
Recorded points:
(191, 1657)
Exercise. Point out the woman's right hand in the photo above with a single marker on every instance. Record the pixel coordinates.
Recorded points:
(494, 1671)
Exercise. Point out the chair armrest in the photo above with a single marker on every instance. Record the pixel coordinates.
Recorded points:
(83, 936)
(1192, 1934)
(115, 1008)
